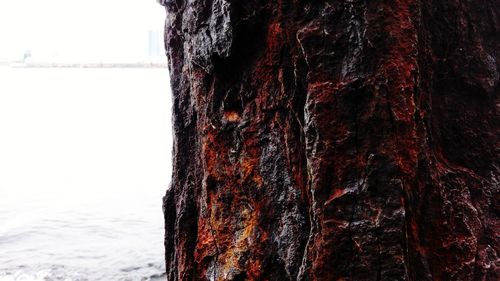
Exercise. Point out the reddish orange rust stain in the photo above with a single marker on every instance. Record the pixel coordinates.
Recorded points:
(338, 192)
(231, 116)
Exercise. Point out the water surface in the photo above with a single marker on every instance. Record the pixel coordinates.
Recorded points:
(84, 162)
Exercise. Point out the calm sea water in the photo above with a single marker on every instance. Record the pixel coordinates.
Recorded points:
(84, 163)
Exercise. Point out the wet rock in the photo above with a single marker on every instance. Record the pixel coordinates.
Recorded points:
(333, 140)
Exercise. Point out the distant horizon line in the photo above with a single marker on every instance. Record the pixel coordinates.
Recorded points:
(85, 65)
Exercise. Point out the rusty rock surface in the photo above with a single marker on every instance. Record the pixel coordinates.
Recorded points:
(334, 140)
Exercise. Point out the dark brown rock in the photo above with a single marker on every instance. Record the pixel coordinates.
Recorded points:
(334, 140)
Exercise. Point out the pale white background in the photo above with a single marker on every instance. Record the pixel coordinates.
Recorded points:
(84, 134)
(85, 153)
(65, 135)
(78, 29)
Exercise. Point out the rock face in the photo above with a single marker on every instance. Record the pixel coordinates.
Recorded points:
(334, 140)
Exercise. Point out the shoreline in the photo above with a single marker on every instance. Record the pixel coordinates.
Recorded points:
(83, 65)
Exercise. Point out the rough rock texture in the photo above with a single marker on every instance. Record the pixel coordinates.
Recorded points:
(334, 140)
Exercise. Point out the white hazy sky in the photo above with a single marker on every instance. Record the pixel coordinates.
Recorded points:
(85, 29)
